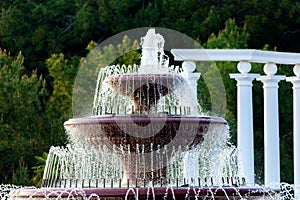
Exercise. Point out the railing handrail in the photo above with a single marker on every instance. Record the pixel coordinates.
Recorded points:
(250, 55)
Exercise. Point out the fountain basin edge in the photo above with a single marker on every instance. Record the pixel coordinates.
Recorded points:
(146, 193)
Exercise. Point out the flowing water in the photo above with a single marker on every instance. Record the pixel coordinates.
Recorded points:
(91, 167)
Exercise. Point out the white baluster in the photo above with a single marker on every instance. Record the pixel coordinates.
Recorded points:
(191, 76)
(245, 120)
(296, 110)
(271, 125)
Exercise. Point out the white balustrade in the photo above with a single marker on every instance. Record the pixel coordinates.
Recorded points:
(244, 108)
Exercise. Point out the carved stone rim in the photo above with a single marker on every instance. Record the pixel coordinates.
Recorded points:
(143, 118)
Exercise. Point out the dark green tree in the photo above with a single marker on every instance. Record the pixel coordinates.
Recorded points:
(59, 105)
(21, 116)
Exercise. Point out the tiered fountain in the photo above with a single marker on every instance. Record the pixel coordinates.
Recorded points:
(146, 118)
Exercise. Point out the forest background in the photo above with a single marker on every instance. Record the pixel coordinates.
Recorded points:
(43, 43)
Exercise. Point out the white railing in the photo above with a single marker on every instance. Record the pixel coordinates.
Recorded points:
(244, 104)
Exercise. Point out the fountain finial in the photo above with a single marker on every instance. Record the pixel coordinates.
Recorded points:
(152, 49)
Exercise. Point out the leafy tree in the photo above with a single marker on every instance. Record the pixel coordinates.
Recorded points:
(21, 117)
(123, 52)
(20, 175)
(231, 37)
(44, 28)
(59, 105)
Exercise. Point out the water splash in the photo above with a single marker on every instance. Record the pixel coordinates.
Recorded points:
(122, 90)
(81, 162)
(154, 60)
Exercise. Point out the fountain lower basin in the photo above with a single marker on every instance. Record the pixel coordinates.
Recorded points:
(167, 193)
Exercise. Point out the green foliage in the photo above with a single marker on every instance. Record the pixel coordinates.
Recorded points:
(129, 52)
(20, 176)
(286, 124)
(59, 105)
(21, 117)
(125, 52)
(39, 169)
(273, 23)
(231, 37)
(43, 28)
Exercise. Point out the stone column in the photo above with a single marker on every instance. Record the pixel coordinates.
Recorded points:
(296, 112)
(245, 143)
(271, 125)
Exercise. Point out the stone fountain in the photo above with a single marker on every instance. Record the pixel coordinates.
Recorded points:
(143, 120)
(144, 89)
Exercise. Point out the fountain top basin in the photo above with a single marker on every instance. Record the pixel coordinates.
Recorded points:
(144, 90)
(127, 84)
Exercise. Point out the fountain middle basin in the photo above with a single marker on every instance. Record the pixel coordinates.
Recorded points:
(131, 137)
